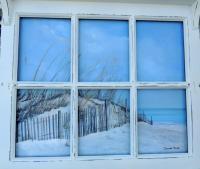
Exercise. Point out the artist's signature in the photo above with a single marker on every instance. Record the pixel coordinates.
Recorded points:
(171, 148)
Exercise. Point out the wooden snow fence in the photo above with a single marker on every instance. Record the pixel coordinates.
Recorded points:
(45, 127)
(143, 118)
(101, 117)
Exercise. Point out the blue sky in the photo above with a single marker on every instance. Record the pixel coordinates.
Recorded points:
(103, 50)
(160, 51)
(44, 47)
(159, 98)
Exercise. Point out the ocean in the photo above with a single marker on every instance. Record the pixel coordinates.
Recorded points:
(171, 116)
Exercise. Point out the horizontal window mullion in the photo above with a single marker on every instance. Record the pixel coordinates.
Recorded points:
(106, 85)
(42, 85)
(162, 156)
(153, 85)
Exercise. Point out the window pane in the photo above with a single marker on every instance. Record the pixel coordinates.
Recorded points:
(160, 51)
(43, 122)
(103, 51)
(103, 120)
(162, 121)
(44, 50)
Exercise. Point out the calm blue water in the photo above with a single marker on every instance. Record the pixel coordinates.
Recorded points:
(172, 116)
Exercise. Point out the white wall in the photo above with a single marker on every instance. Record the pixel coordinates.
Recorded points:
(56, 8)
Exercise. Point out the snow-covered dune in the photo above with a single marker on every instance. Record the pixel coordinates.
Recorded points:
(157, 138)
(112, 142)
(46, 148)
(162, 138)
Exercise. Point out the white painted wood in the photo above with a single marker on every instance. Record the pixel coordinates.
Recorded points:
(74, 92)
(6, 8)
(175, 2)
(196, 14)
(6, 62)
(194, 42)
(75, 10)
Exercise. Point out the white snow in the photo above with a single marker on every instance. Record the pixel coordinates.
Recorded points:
(157, 138)
(46, 148)
(116, 141)
(162, 138)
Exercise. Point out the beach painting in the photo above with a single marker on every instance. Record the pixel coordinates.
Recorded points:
(103, 50)
(160, 51)
(103, 122)
(162, 121)
(43, 123)
(44, 50)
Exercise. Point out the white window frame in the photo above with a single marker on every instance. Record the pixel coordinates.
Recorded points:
(74, 10)
(1, 25)
(74, 85)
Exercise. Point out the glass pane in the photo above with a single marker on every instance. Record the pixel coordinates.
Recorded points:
(160, 51)
(103, 122)
(43, 123)
(162, 121)
(103, 51)
(44, 50)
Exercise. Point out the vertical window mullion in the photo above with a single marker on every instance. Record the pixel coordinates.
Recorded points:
(133, 123)
(188, 89)
(74, 86)
(133, 90)
(186, 50)
(189, 120)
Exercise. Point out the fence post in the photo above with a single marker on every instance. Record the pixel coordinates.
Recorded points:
(126, 115)
(106, 120)
(28, 131)
(151, 120)
(49, 126)
(34, 129)
(38, 134)
(59, 116)
(53, 135)
(22, 133)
